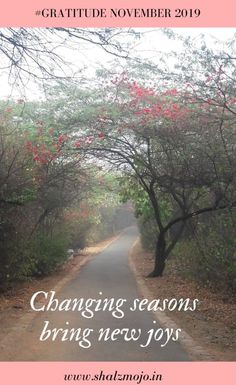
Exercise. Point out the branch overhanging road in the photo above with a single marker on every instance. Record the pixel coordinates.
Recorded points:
(107, 273)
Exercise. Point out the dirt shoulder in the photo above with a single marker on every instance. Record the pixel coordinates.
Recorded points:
(212, 325)
(15, 302)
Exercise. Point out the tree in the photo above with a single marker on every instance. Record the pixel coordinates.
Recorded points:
(39, 180)
(174, 138)
(173, 148)
(50, 198)
(36, 53)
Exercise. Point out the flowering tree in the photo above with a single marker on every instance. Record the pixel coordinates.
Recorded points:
(172, 137)
(177, 150)
(38, 181)
(50, 199)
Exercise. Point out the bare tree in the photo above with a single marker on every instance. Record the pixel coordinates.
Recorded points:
(35, 52)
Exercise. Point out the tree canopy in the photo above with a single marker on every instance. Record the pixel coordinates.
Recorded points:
(167, 132)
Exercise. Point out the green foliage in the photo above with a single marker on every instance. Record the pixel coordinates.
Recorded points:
(49, 252)
(23, 258)
(36, 193)
(25, 196)
(148, 232)
(131, 190)
(169, 136)
(17, 262)
(209, 256)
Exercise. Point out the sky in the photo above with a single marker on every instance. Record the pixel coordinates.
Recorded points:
(150, 42)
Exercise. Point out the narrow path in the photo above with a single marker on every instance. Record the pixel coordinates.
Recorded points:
(105, 276)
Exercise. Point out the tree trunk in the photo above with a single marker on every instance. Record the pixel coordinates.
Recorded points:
(160, 256)
(162, 251)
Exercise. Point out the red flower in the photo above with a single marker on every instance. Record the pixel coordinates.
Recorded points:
(101, 135)
(29, 145)
(77, 143)
(172, 92)
(62, 138)
(37, 158)
(146, 110)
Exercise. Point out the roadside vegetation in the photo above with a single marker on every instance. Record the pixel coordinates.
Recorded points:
(159, 135)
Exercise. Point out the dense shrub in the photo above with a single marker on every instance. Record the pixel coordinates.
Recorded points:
(17, 263)
(148, 232)
(23, 258)
(49, 252)
(209, 255)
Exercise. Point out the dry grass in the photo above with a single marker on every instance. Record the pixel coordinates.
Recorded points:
(212, 325)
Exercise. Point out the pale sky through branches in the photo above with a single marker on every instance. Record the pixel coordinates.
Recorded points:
(87, 57)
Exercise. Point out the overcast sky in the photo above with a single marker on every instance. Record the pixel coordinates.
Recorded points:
(151, 42)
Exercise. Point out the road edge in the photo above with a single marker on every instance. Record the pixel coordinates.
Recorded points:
(24, 321)
(195, 350)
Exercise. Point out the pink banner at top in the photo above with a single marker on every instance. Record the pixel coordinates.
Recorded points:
(118, 13)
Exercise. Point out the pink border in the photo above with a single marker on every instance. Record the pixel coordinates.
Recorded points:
(22, 13)
(173, 373)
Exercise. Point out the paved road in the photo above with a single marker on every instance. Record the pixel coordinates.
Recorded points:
(107, 273)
